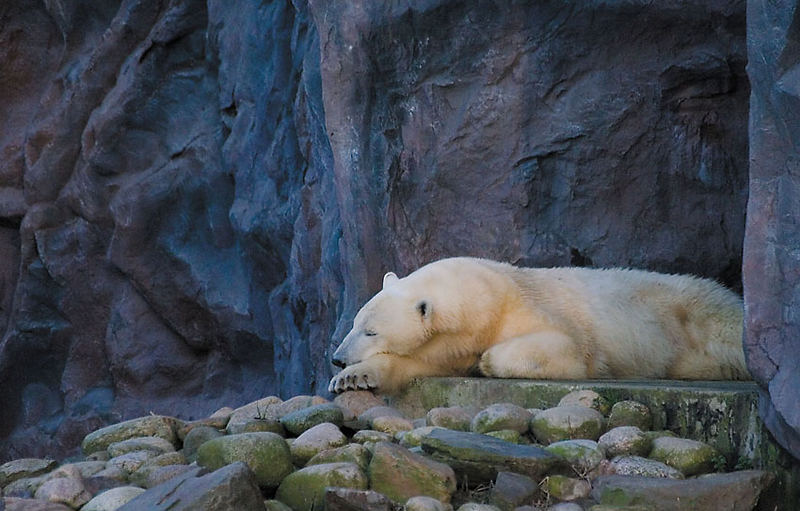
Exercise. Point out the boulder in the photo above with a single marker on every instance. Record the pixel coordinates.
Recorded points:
(630, 413)
(581, 455)
(566, 488)
(146, 443)
(689, 456)
(735, 490)
(299, 421)
(231, 488)
(638, 466)
(481, 457)
(452, 417)
(350, 453)
(64, 490)
(588, 398)
(304, 490)
(19, 504)
(625, 440)
(512, 490)
(315, 440)
(370, 435)
(423, 503)
(113, 499)
(259, 409)
(349, 499)
(501, 416)
(567, 422)
(266, 455)
(197, 437)
(148, 426)
(24, 468)
(130, 462)
(400, 474)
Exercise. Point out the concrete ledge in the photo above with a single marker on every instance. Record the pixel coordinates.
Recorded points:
(722, 414)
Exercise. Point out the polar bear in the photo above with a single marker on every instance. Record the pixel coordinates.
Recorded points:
(546, 323)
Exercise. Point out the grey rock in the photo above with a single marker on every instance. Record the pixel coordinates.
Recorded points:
(64, 490)
(566, 488)
(130, 462)
(625, 440)
(315, 440)
(419, 475)
(149, 426)
(501, 416)
(689, 456)
(567, 422)
(423, 503)
(231, 488)
(304, 490)
(197, 437)
(391, 425)
(350, 453)
(349, 499)
(481, 457)
(24, 468)
(258, 409)
(304, 419)
(152, 475)
(474, 506)
(582, 455)
(630, 413)
(22, 504)
(772, 326)
(113, 499)
(735, 490)
(414, 437)
(588, 398)
(453, 417)
(638, 466)
(266, 455)
(148, 443)
(512, 490)
(370, 435)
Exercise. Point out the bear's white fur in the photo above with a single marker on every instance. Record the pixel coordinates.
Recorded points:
(557, 323)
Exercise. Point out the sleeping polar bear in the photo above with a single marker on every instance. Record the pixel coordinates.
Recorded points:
(558, 323)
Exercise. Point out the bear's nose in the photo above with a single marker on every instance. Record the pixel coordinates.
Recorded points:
(338, 362)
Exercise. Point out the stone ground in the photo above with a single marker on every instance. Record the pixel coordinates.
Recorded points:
(582, 452)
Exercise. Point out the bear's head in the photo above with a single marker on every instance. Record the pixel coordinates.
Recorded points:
(397, 320)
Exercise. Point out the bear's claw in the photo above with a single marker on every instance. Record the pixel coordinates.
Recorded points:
(352, 379)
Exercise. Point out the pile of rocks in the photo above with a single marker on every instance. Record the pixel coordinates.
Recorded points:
(357, 453)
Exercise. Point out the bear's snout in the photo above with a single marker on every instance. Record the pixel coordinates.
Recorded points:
(338, 362)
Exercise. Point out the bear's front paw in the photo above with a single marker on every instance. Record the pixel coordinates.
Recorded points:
(356, 377)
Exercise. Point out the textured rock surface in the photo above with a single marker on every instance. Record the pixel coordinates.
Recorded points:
(737, 490)
(771, 257)
(182, 226)
(231, 488)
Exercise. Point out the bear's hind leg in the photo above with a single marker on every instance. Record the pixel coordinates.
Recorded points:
(543, 355)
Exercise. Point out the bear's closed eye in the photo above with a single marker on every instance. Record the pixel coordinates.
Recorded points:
(370, 333)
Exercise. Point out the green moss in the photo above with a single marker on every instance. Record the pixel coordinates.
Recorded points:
(266, 454)
(304, 490)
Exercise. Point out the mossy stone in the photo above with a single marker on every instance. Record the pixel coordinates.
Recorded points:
(304, 490)
(265, 453)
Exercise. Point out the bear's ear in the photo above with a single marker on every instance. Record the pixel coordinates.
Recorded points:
(389, 279)
(424, 309)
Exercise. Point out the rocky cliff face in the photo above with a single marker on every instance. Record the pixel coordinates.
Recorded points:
(772, 242)
(195, 199)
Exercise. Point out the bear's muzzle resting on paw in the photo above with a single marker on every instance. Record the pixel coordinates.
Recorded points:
(560, 323)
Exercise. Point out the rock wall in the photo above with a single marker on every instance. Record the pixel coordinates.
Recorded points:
(772, 241)
(195, 199)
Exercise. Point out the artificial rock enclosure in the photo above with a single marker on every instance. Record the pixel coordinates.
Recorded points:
(196, 197)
